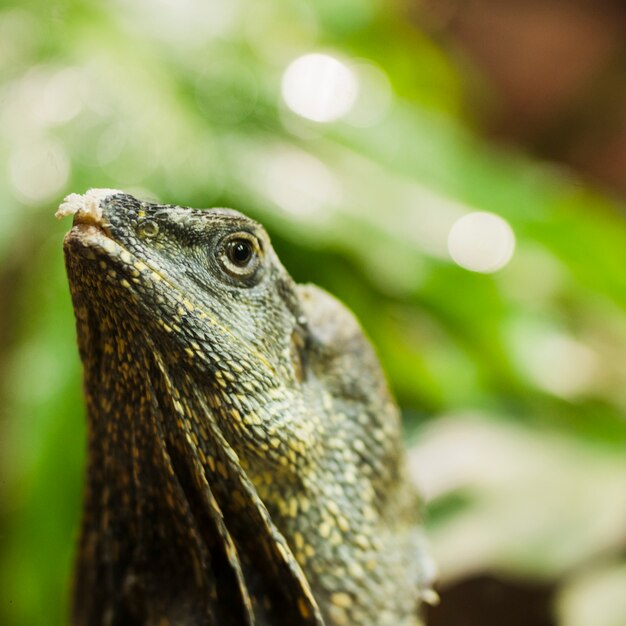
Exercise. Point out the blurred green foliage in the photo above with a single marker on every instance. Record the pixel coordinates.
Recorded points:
(182, 102)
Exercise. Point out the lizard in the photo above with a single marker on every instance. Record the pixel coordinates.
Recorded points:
(244, 455)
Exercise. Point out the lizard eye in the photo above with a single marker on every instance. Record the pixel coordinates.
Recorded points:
(239, 254)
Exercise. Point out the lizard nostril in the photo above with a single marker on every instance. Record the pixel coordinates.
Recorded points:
(148, 228)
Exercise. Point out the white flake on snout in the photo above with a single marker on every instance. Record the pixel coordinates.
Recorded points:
(87, 204)
(179, 215)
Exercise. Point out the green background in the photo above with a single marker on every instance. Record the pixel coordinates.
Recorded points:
(512, 384)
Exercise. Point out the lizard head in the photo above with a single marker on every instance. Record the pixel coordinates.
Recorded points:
(215, 270)
(205, 288)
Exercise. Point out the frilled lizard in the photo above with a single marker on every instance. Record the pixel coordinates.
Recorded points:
(245, 464)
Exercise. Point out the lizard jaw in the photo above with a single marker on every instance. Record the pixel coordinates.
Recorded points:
(85, 207)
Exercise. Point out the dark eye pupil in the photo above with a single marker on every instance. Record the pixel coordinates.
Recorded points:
(240, 252)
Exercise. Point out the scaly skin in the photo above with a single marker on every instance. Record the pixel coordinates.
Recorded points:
(245, 464)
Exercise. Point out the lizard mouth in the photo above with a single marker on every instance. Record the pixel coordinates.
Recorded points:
(87, 212)
(89, 229)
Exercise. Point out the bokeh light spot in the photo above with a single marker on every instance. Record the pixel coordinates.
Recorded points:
(300, 184)
(374, 96)
(555, 362)
(319, 87)
(481, 242)
(39, 171)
